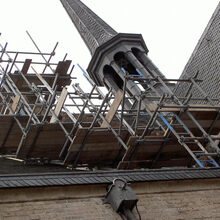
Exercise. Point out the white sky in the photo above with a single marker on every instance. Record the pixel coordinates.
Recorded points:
(171, 28)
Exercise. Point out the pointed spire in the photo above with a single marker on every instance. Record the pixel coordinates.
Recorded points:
(91, 27)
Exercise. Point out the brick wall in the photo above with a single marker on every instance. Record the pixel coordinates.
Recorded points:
(197, 199)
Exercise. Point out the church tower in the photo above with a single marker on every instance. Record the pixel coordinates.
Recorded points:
(113, 54)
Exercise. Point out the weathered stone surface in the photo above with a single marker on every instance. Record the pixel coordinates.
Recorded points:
(163, 200)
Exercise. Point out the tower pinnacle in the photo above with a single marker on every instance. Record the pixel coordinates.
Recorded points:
(91, 27)
(112, 52)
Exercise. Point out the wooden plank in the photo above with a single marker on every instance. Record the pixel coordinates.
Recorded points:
(102, 137)
(147, 151)
(49, 142)
(59, 104)
(200, 115)
(63, 78)
(101, 142)
(24, 70)
(63, 67)
(32, 78)
(26, 66)
(10, 137)
(61, 70)
(151, 145)
(113, 109)
(15, 104)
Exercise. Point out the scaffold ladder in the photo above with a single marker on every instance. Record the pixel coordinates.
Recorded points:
(186, 138)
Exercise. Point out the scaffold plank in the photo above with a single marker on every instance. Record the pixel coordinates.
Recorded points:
(10, 133)
(59, 104)
(44, 141)
(15, 104)
(113, 109)
(100, 147)
(63, 67)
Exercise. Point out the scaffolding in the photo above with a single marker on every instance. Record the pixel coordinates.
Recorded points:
(47, 117)
(166, 132)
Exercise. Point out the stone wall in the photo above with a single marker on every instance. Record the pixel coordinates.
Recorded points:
(195, 199)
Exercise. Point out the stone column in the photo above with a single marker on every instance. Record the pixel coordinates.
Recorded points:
(137, 64)
(149, 64)
(131, 86)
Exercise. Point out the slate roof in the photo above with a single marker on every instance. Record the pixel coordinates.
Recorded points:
(93, 30)
(205, 61)
(85, 178)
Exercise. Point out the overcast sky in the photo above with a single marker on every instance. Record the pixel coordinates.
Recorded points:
(171, 28)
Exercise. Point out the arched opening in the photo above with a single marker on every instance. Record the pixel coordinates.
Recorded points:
(111, 78)
(137, 53)
(114, 81)
(146, 62)
(122, 62)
